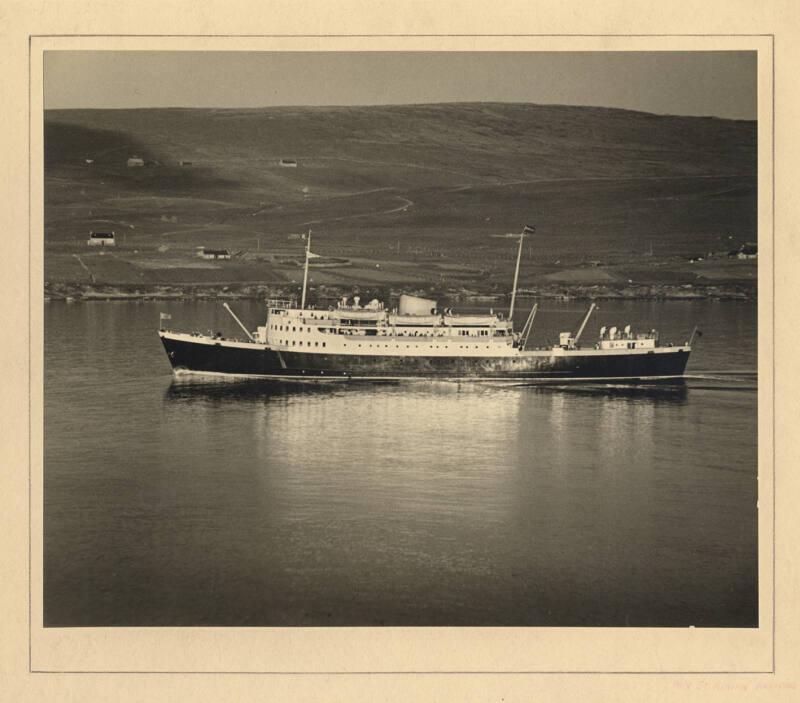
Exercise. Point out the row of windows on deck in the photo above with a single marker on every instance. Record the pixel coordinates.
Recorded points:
(404, 333)
(300, 344)
(296, 343)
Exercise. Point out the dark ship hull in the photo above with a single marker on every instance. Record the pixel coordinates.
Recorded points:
(227, 358)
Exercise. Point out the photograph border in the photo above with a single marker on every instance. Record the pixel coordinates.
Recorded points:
(32, 38)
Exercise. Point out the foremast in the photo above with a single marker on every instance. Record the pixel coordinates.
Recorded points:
(305, 271)
(527, 229)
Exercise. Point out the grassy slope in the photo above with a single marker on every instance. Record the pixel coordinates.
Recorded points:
(416, 190)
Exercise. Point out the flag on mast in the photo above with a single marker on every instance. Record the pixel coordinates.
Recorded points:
(313, 256)
(529, 229)
(165, 316)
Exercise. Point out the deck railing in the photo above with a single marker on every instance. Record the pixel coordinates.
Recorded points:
(280, 303)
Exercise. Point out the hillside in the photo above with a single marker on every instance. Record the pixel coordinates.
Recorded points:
(407, 195)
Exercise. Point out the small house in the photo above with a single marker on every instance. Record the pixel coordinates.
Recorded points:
(214, 253)
(748, 251)
(185, 163)
(288, 163)
(135, 161)
(101, 239)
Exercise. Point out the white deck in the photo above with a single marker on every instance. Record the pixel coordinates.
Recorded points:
(329, 343)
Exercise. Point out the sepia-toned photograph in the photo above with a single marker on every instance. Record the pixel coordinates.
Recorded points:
(400, 338)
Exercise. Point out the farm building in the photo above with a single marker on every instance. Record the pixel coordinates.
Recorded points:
(288, 163)
(135, 161)
(213, 253)
(186, 163)
(101, 239)
(746, 251)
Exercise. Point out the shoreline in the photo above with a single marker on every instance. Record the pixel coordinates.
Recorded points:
(72, 293)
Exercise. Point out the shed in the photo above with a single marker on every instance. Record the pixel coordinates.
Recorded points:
(135, 161)
(101, 239)
(748, 251)
(288, 163)
(214, 253)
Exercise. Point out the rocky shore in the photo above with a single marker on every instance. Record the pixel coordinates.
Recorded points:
(75, 292)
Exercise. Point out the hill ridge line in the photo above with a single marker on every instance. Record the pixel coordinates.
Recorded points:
(377, 107)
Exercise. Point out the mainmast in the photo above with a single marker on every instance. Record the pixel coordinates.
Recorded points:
(305, 271)
(526, 230)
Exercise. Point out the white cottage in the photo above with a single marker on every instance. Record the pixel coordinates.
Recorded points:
(101, 239)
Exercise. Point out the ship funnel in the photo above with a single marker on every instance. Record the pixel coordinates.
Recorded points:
(414, 305)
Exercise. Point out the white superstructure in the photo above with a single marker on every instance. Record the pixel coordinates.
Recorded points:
(351, 329)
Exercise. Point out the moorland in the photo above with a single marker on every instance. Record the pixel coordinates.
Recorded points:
(422, 198)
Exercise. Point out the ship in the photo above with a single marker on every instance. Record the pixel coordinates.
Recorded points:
(417, 340)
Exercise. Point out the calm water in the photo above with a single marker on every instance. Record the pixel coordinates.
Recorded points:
(175, 503)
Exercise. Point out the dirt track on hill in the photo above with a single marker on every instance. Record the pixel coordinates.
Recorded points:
(402, 208)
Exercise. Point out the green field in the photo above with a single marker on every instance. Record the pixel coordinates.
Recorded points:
(404, 197)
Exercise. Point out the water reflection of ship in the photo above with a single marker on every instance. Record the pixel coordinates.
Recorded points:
(625, 416)
(397, 446)
(673, 392)
(190, 389)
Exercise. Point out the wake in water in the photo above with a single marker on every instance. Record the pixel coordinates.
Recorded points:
(724, 380)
